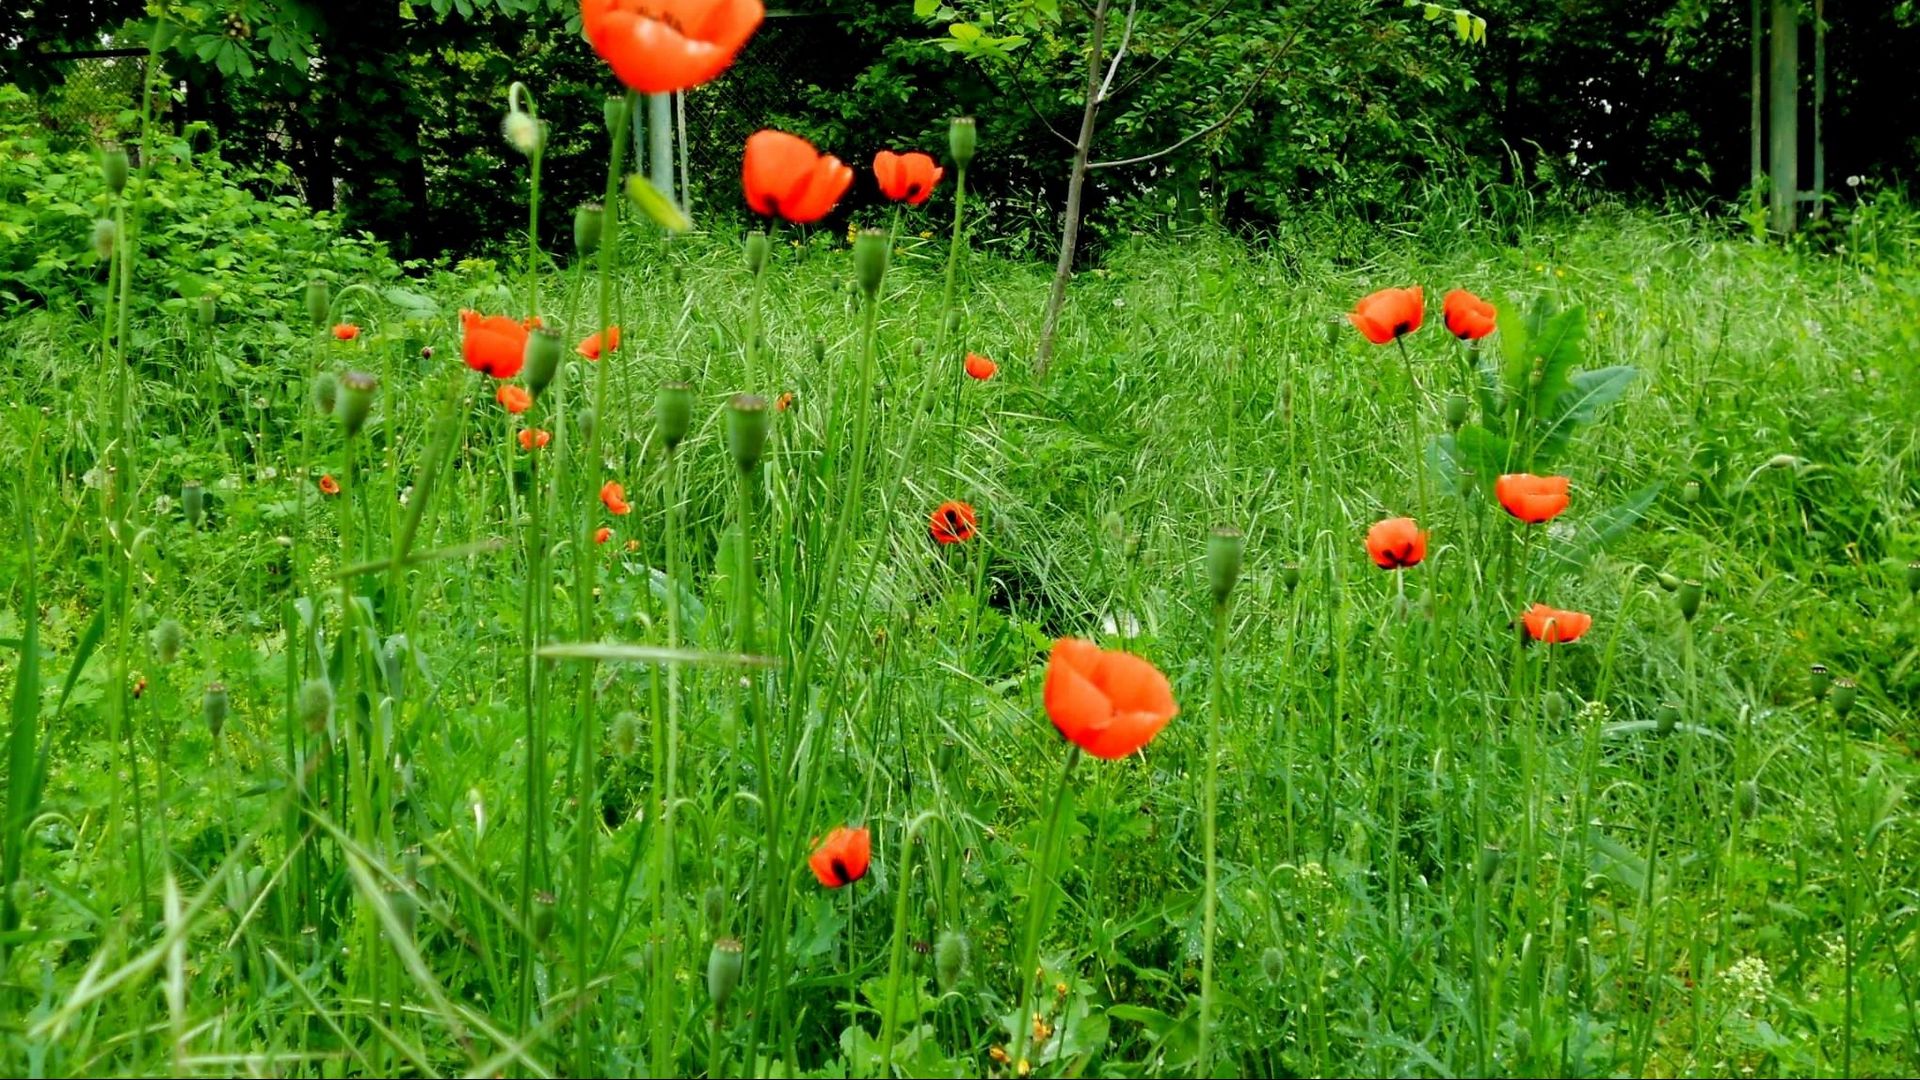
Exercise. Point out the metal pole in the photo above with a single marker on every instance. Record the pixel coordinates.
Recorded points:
(1784, 105)
(660, 128)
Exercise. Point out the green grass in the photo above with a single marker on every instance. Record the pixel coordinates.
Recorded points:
(1439, 854)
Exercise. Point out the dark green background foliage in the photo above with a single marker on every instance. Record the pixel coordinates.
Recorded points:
(389, 110)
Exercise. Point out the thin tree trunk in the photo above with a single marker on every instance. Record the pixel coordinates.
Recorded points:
(1756, 164)
(1784, 118)
(1076, 187)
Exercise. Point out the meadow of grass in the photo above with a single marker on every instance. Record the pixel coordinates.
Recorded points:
(392, 842)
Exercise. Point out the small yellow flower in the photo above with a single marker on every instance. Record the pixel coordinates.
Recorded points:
(998, 1054)
(853, 232)
(1557, 272)
(1537, 267)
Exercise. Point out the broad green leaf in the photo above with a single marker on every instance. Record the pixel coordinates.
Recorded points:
(1481, 454)
(1587, 393)
(656, 205)
(924, 9)
(1603, 528)
(1463, 23)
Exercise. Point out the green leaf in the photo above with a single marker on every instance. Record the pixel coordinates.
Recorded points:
(1602, 529)
(1544, 342)
(1463, 23)
(1481, 454)
(656, 205)
(924, 9)
(1587, 393)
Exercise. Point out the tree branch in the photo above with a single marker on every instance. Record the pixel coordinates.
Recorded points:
(1134, 79)
(1027, 99)
(1126, 35)
(1258, 81)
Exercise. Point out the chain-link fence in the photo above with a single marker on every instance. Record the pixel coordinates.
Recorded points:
(81, 96)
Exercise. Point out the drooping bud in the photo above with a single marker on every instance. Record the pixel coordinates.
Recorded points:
(871, 253)
(114, 168)
(758, 247)
(206, 310)
(1667, 581)
(723, 971)
(1666, 718)
(950, 955)
(541, 359)
(1819, 681)
(1845, 693)
(673, 413)
(105, 235)
(213, 707)
(1457, 409)
(588, 222)
(1553, 704)
(193, 502)
(1224, 551)
(714, 905)
(1688, 599)
(325, 392)
(962, 136)
(167, 638)
(522, 132)
(356, 400)
(747, 430)
(1273, 963)
(314, 703)
(319, 302)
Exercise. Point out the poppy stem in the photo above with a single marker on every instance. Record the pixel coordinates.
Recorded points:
(1039, 896)
(754, 313)
(1419, 430)
(1209, 919)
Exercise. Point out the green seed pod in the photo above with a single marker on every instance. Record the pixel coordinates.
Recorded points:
(953, 324)
(410, 864)
(1690, 492)
(962, 136)
(589, 221)
(319, 302)
(325, 392)
(614, 112)
(950, 955)
(714, 905)
(1457, 408)
(819, 352)
(114, 167)
(943, 757)
(542, 916)
(1688, 599)
(1913, 577)
(758, 248)
(723, 971)
(930, 909)
(356, 400)
(167, 638)
(213, 707)
(1666, 718)
(393, 664)
(871, 253)
(673, 413)
(314, 703)
(1746, 799)
(1819, 681)
(747, 424)
(1491, 859)
(193, 503)
(541, 359)
(1290, 575)
(206, 310)
(1225, 549)
(105, 235)
(1845, 693)
(1273, 963)
(1553, 704)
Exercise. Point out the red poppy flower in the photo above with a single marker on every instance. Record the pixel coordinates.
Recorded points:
(1389, 313)
(1532, 499)
(953, 523)
(1555, 627)
(615, 496)
(494, 344)
(907, 178)
(786, 177)
(657, 46)
(842, 858)
(602, 534)
(590, 348)
(1469, 318)
(346, 331)
(1108, 703)
(329, 486)
(534, 438)
(979, 367)
(1396, 543)
(783, 402)
(514, 399)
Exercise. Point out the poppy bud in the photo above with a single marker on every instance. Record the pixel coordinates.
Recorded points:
(758, 247)
(1224, 550)
(1273, 963)
(1667, 581)
(167, 637)
(819, 352)
(714, 904)
(205, 311)
(871, 252)
(584, 419)
(723, 971)
(356, 400)
(193, 502)
(1688, 598)
(319, 302)
(1845, 693)
(588, 221)
(540, 360)
(315, 704)
(950, 955)
(105, 235)
(953, 323)
(1690, 492)
(1746, 798)
(1818, 681)
(542, 915)
(1666, 717)
(1290, 575)
(1554, 705)
(213, 707)
(522, 132)
(1913, 577)
(1782, 461)
(962, 134)
(930, 909)
(113, 167)
(325, 392)
(746, 429)
(625, 733)
(1457, 407)
(673, 413)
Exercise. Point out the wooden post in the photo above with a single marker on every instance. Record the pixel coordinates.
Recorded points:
(1784, 121)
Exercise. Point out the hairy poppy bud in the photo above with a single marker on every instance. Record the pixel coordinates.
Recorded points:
(1845, 693)
(588, 222)
(758, 247)
(714, 905)
(962, 135)
(113, 167)
(625, 733)
(1746, 798)
(1666, 718)
(319, 302)
(723, 971)
(953, 323)
(356, 400)
(206, 311)
(746, 429)
(1688, 598)
(105, 235)
(930, 909)
(1819, 680)
(1690, 492)
(542, 916)
(1224, 550)
(1273, 963)
(1667, 581)
(314, 703)
(1457, 408)
(213, 707)
(193, 502)
(1554, 705)
(325, 392)
(540, 359)
(950, 955)
(522, 131)
(871, 253)
(673, 413)
(167, 637)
